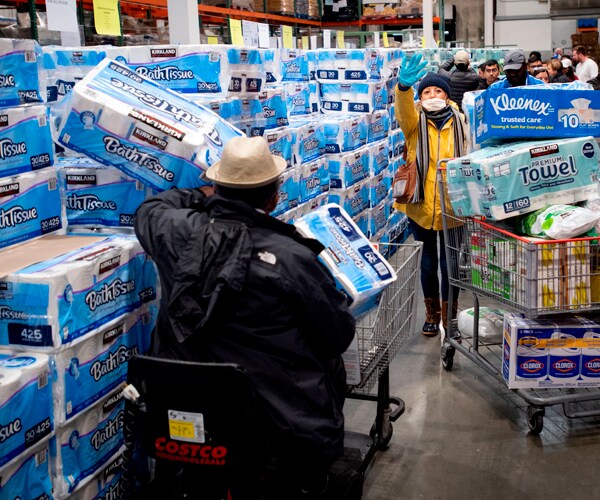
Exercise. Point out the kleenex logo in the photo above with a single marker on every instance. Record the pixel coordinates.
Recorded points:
(505, 103)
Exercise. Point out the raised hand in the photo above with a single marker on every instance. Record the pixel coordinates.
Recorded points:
(412, 70)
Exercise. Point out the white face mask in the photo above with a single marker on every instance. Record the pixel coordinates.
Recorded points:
(434, 104)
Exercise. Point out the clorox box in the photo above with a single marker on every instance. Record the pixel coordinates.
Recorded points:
(543, 353)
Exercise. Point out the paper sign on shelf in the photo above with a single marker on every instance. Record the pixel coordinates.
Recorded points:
(250, 33)
(62, 15)
(339, 38)
(386, 41)
(107, 20)
(235, 30)
(288, 37)
(313, 42)
(326, 39)
(213, 40)
(263, 36)
(305, 43)
(70, 38)
(376, 39)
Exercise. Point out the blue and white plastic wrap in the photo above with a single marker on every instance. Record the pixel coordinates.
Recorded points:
(106, 484)
(380, 156)
(251, 117)
(26, 411)
(312, 204)
(25, 140)
(396, 141)
(359, 270)
(313, 97)
(97, 363)
(97, 196)
(21, 77)
(275, 107)
(298, 98)
(378, 125)
(270, 58)
(353, 97)
(281, 143)
(314, 179)
(88, 442)
(344, 132)
(394, 125)
(228, 108)
(311, 56)
(346, 169)
(289, 191)
(64, 298)
(378, 217)
(29, 206)
(293, 65)
(537, 111)
(245, 71)
(310, 141)
(380, 186)
(517, 178)
(121, 119)
(28, 476)
(345, 65)
(354, 199)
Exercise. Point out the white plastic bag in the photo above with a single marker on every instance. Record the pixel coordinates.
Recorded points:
(491, 322)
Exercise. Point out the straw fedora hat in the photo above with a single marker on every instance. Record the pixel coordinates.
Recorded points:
(246, 162)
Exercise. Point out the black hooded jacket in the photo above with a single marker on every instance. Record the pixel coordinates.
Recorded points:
(240, 286)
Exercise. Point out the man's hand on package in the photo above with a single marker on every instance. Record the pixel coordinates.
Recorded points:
(412, 70)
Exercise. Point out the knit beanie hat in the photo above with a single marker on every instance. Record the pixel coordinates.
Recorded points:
(434, 80)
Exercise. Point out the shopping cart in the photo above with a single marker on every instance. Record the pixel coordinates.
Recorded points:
(379, 336)
(537, 278)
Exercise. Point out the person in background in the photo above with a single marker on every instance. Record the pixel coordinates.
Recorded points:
(555, 73)
(434, 128)
(534, 62)
(558, 53)
(239, 286)
(586, 68)
(595, 82)
(567, 65)
(515, 68)
(491, 73)
(542, 74)
(462, 79)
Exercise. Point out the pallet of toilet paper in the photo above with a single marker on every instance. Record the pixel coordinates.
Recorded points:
(544, 353)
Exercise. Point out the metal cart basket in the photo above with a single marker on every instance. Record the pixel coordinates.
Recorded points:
(539, 278)
(379, 336)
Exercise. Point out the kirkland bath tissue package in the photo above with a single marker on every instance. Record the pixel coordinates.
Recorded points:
(289, 191)
(346, 169)
(298, 98)
(25, 140)
(379, 125)
(21, 78)
(359, 270)
(334, 65)
(353, 97)
(29, 206)
(309, 141)
(544, 353)
(107, 484)
(281, 142)
(64, 298)
(512, 179)
(353, 199)
(96, 364)
(536, 111)
(26, 414)
(122, 119)
(87, 443)
(345, 133)
(98, 196)
(28, 476)
(314, 179)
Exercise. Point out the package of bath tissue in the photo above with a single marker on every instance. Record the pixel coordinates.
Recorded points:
(244, 71)
(346, 169)
(26, 414)
(312, 204)
(281, 142)
(377, 217)
(25, 140)
(353, 97)
(87, 443)
(228, 108)
(293, 65)
(289, 191)
(95, 364)
(517, 178)
(359, 270)
(378, 125)
(353, 199)
(344, 132)
(108, 482)
(394, 125)
(314, 179)
(122, 119)
(380, 188)
(380, 156)
(251, 117)
(362, 221)
(310, 140)
(21, 67)
(275, 107)
(64, 298)
(298, 98)
(391, 59)
(98, 196)
(345, 65)
(396, 143)
(313, 97)
(270, 58)
(29, 206)
(28, 476)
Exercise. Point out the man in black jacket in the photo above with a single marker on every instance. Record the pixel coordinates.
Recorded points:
(462, 79)
(240, 286)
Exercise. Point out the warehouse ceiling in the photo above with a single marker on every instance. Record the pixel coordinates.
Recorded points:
(574, 8)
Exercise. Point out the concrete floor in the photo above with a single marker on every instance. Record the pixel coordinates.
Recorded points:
(465, 436)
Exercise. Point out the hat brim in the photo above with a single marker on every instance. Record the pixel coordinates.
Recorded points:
(213, 175)
(513, 66)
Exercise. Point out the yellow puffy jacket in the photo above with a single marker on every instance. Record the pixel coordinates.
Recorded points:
(428, 213)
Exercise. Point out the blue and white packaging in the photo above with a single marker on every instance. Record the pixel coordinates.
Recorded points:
(245, 71)
(353, 97)
(346, 169)
(294, 65)
(228, 108)
(394, 125)
(311, 56)
(298, 98)
(275, 107)
(398, 228)
(314, 179)
(397, 142)
(380, 188)
(310, 205)
(378, 217)
(29, 206)
(517, 178)
(359, 270)
(289, 191)
(344, 132)
(28, 476)
(380, 156)
(354, 199)
(351, 65)
(26, 413)
(281, 143)
(362, 221)
(251, 116)
(108, 483)
(310, 141)
(313, 97)
(121, 119)
(379, 125)
(21, 78)
(87, 443)
(536, 111)
(270, 58)
(62, 299)
(388, 65)
(25, 140)
(96, 364)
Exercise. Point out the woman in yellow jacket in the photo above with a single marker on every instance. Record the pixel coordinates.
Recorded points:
(434, 129)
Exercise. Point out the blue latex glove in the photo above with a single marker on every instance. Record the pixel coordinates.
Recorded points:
(412, 70)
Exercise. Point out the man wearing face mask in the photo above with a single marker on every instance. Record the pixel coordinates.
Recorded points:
(434, 128)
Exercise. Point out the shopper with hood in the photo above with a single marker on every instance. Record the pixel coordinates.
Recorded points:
(434, 129)
(239, 286)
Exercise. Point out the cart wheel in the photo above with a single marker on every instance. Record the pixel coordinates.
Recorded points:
(388, 432)
(535, 419)
(448, 357)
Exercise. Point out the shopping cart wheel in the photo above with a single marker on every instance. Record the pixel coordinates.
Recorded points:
(535, 419)
(447, 357)
(388, 432)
